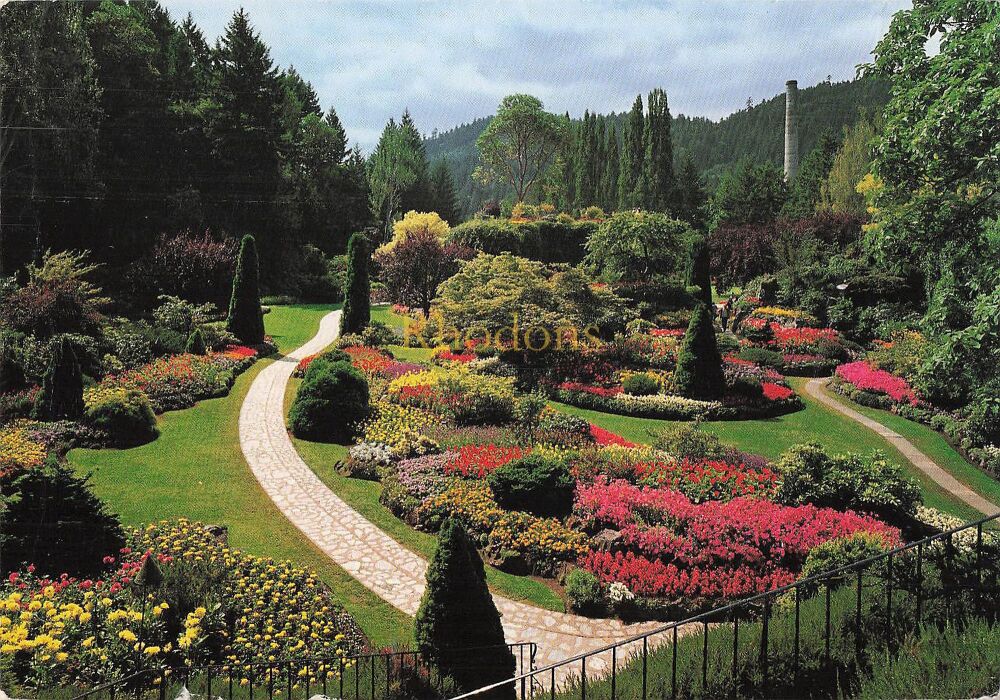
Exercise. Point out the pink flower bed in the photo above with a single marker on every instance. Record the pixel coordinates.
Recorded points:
(667, 332)
(677, 547)
(865, 377)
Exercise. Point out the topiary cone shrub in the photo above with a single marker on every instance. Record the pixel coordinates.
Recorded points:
(246, 320)
(699, 270)
(458, 626)
(331, 401)
(699, 372)
(61, 396)
(195, 343)
(357, 300)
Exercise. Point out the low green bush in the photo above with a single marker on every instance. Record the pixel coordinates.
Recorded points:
(535, 484)
(331, 401)
(195, 343)
(584, 592)
(124, 415)
(689, 440)
(640, 384)
(842, 551)
(866, 483)
(762, 356)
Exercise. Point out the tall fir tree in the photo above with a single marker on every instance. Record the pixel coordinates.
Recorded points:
(246, 319)
(609, 178)
(443, 188)
(585, 161)
(804, 193)
(699, 272)
(690, 197)
(356, 314)
(419, 195)
(658, 167)
(61, 395)
(458, 625)
(632, 158)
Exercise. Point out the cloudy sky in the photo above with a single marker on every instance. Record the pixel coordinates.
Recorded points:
(450, 62)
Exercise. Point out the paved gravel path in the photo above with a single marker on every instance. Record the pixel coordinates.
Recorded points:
(816, 388)
(392, 571)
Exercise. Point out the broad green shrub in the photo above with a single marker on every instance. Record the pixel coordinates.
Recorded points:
(330, 402)
(841, 551)
(125, 415)
(689, 440)
(584, 592)
(564, 423)
(246, 321)
(357, 298)
(762, 356)
(61, 396)
(558, 240)
(457, 625)
(699, 365)
(868, 483)
(52, 519)
(536, 484)
(640, 384)
(195, 343)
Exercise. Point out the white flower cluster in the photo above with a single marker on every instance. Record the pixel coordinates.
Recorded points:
(665, 403)
(964, 540)
(372, 453)
(618, 592)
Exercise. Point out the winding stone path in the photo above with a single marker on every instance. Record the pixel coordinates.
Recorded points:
(816, 388)
(392, 571)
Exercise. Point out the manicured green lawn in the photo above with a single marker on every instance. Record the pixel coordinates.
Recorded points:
(772, 436)
(196, 469)
(363, 495)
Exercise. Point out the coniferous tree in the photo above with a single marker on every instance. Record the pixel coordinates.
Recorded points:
(338, 136)
(658, 167)
(443, 188)
(699, 272)
(195, 343)
(356, 314)
(61, 396)
(418, 196)
(804, 193)
(246, 320)
(699, 372)
(609, 179)
(689, 195)
(458, 626)
(633, 155)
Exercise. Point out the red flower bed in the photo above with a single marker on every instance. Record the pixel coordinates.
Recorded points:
(591, 389)
(300, 369)
(368, 360)
(653, 578)
(476, 461)
(705, 479)
(776, 392)
(456, 357)
(667, 332)
(606, 437)
(865, 377)
(792, 340)
(239, 351)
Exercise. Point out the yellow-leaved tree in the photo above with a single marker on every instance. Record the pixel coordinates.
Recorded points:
(416, 222)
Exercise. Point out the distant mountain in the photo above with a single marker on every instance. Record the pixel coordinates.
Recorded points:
(756, 132)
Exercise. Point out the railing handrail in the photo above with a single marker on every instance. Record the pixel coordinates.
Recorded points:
(162, 671)
(715, 612)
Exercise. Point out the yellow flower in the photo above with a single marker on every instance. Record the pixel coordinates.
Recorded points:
(127, 635)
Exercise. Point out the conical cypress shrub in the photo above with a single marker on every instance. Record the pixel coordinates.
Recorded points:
(195, 343)
(61, 396)
(246, 321)
(357, 299)
(699, 272)
(458, 625)
(699, 365)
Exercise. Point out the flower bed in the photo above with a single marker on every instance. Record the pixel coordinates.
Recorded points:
(677, 548)
(476, 461)
(709, 479)
(18, 451)
(180, 381)
(68, 631)
(862, 377)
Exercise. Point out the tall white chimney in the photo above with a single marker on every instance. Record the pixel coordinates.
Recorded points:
(791, 130)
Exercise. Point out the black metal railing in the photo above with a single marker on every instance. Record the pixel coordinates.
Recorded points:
(802, 639)
(376, 676)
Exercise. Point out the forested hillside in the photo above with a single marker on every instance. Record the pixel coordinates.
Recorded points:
(756, 132)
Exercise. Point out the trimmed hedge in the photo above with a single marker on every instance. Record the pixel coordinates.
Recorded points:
(125, 415)
(331, 401)
(544, 240)
(535, 484)
(680, 409)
